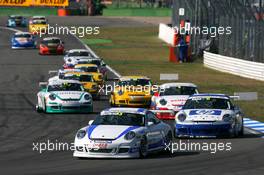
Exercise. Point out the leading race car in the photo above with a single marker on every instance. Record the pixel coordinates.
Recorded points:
(209, 115)
(132, 91)
(122, 133)
(171, 97)
(51, 45)
(16, 21)
(23, 40)
(64, 96)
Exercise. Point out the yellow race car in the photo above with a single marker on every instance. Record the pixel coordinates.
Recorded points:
(37, 26)
(92, 69)
(87, 81)
(132, 91)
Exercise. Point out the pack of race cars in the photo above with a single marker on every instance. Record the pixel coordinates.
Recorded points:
(133, 126)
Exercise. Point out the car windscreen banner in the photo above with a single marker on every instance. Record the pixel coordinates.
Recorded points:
(52, 3)
(61, 3)
(23, 3)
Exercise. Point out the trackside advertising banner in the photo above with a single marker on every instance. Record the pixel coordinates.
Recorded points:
(62, 3)
(50, 3)
(15, 3)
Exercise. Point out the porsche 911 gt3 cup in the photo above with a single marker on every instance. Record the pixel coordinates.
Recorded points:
(171, 97)
(122, 133)
(77, 53)
(23, 40)
(16, 21)
(64, 96)
(209, 115)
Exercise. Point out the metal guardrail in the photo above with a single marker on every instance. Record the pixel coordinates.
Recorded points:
(234, 66)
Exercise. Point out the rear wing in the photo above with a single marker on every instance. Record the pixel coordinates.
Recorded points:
(43, 85)
(164, 111)
(53, 73)
(235, 97)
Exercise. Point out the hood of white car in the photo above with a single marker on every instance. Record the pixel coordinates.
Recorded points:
(108, 131)
(205, 114)
(68, 95)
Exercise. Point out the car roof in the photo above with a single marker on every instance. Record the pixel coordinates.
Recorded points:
(78, 50)
(38, 16)
(14, 16)
(22, 33)
(78, 73)
(211, 95)
(50, 38)
(86, 65)
(178, 84)
(124, 78)
(125, 110)
(59, 81)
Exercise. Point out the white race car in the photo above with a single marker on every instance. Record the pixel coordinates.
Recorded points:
(74, 56)
(209, 115)
(122, 133)
(64, 96)
(171, 97)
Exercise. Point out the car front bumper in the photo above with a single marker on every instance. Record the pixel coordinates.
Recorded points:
(203, 130)
(77, 108)
(112, 151)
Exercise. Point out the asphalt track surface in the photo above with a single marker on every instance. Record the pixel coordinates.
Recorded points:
(21, 126)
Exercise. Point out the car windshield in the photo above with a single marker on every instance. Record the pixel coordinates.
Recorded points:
(39, 22)
(96, 62)
(23, 36)
(51, 41)
(135, 82)
(88, 69)
(81, 78)
(65, 87)
(129, 119)
(207, 103)
(183, 90)
(78, 54)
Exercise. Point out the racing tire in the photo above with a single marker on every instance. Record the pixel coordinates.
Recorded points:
(143, 149)
(38, 109)
(168, 137)
(241, 132)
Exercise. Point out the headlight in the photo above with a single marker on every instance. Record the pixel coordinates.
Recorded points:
(227, 118)
(87, 97)
(130, 135)
(181, 117)
(163, 102)
(120, 92)
(52, 97)
(80, 134)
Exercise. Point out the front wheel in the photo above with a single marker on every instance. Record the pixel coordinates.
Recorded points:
(143, 150)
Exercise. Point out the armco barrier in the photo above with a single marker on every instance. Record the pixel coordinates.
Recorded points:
(166, 33)
(234, 66)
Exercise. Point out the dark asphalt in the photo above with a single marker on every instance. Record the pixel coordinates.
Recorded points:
(21, 126)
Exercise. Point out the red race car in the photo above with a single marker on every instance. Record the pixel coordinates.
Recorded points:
(50, 46)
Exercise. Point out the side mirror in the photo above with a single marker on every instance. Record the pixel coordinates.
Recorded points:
(150, 123)
(90, 122)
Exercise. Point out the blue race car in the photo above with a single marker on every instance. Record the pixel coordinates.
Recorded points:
(209, 115)
(23, 40)
(16, 21)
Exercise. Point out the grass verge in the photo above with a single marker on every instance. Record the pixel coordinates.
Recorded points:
(138, 51)
(156, 12)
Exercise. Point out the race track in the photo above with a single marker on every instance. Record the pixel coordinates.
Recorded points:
(20, 126)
